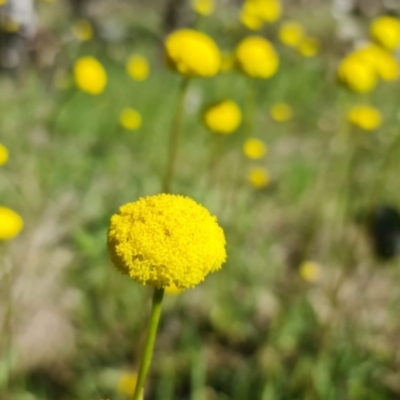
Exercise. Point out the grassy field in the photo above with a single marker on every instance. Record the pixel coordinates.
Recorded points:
(258, 329)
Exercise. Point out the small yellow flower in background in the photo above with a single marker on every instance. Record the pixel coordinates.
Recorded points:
(357, 75)
(257, 57)
(192, 53)
(223, 117)
(291, 33)
(386, 31)
(4, 155)
(255, 13)
(259, 177)
(281, 112)
(254, 149)
(130, 119)
(227, 61)
(310, 271)
(173, 290)
(127, 384)
(166, 239)
(9, 25)
(309, 46)
(90, 76)
(2, 2)
(82, 30)
(203, 7)
(11, 223)
(138, 67)
(365, 117)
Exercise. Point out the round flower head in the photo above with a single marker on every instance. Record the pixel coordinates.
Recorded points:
(10, 223)
(309, 46)
(3, 154)
(257, 57)
(82, 30)
(127, 383)
(138, 67)
(291, 33)
(166, 239)
(255, 13)
(192, 53)
(259, 177)
(254, 149)
(130, 119)
(90, 75)
(386, 31)
(310, 271)
(281, 112)
(365, 117)
(223, 117)
(203, 7)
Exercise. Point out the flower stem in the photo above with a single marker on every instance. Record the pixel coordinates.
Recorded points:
(149, 345)
(174, 137)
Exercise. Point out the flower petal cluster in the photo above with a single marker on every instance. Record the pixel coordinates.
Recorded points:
(310, 271)
(365, 117)
(192, 53)
(257, 57)
(82, 30)
(291, 33)
(223, 117)
(90, 76)
(203, 7)
(386, 32)
(166, 239)
(254, 148)
(130, 119)
(11, 223)
(4, 155)
(138, 67)
(309, 46)
(259, 177)
(255, 13)
(281, 112)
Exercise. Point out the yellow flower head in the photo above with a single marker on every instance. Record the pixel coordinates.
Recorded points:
(365, 117)
(223, 117)
(3, 154)
(173, 290)
(281, 112)
(89, 75)
(257, 57)
(127, 384)
(130, 119)
(166, 239)
(255, 13)
(82, 30)
(310, 271)
(192, 53)
(203, 7)
(309, 46)
(386, 31)
(138, 67)
(357, 75)
(259, 177)
(291, 33)
(11, 223)
(254, 148)
(227, 61)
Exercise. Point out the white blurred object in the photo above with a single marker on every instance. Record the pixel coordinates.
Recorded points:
(23, 13)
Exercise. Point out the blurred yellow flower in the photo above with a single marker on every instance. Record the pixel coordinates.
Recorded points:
(310, 271)
(2, 2)
(203, 7)
(130, 119)
(90, 76)
(127, 384)
(11, 223)
(357, 75)
(309, 46)
(255, 13)
(281, 112)
(257, 57)
(173, 290)
(192, 53)
(9, 24)
(166, 239)
(291, 33)
(223, 117)
(254, 148)
(82, 30)
(365, 117)
(227, 61)
(138, 67)
(3, 154)
(259, 177)
(386, 31)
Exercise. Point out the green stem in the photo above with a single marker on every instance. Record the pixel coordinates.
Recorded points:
(149, 345)
(174, 137)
